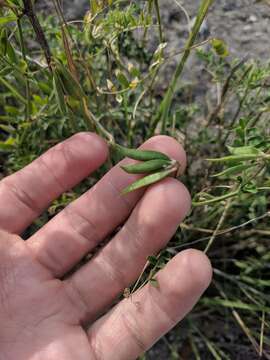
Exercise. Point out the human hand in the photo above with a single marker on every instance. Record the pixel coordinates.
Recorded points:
(45, 317)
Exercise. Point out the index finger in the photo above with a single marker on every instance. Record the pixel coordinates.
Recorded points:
(25, 194)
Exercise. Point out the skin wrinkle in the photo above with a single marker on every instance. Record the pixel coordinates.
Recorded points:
(49, 255)
(132, 329)
(71, 210)
(117, 191)
(150, 291)
(72, 214)
(137, 239)
(7, 277)
(112, 272)
(94, 347)
(75, 296)
(21, 196)
(50, 170)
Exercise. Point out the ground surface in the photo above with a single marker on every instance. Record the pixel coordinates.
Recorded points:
(244, 24)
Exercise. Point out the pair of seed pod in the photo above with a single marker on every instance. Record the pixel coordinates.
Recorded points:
(157, 165)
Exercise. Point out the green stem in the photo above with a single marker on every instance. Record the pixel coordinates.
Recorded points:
(165, 106)
(41, 38)
(159, 21)
(216, 199)
(27, 88)
(13, 90)
(93, 121)
(219, 225)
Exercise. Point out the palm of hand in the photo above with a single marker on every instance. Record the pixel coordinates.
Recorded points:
(44, 316)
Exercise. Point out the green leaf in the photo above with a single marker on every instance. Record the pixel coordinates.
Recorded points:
(141, 155)
(7, 19)
(70, 84)
(11, 53)
(122, 79)
(147, 166)
(216, 199)
(244, 150)
(59, 93)
(237, 304)
(250, 188)
(7, 145)
(232, 158)
(154, 282)
(12, 90)
(148, 180)
(7, 128)
(153, 260)
(233, 170)
(15, 2)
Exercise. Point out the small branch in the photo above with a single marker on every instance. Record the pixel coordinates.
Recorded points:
(219, 225)
(30, 13)
(214, 114)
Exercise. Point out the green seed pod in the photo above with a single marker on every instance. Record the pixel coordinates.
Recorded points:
(148, 180)
(147, 166)
(141, 155)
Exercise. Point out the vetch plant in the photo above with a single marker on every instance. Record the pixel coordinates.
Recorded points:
(108, 73)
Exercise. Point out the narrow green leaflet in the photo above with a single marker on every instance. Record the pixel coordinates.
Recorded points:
(215, 199)
(8, 128)
(244, 150)
(141, 155)
(7, 19)
(71, 86)
(122, 79)
(147, 166)
(233, 170)
(148, 180)
(235, 304)
(59, 93)
(7, 145)
(243, 157)
(154, 282)
(13, 90)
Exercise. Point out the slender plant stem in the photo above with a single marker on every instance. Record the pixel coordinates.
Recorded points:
(216, 199)
(27, 89)
(30, 13)
(219, 225)
(165, 106)
(161, 38)
(13, 90)
(94, 122)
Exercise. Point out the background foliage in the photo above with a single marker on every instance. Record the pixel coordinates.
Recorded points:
(100, 73)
